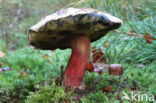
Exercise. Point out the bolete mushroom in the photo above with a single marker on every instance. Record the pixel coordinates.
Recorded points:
(115, 69)
(72, 28)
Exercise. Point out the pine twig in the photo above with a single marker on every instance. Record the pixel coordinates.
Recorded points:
(133, 34)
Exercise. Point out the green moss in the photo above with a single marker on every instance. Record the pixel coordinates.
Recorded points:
(48, 94)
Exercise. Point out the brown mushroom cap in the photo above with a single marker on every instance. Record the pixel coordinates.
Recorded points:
(55, 30)
(116, 69)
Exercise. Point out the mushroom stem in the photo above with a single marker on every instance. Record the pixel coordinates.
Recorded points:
(75, 70)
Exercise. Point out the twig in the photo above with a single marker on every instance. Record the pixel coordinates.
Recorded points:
(133, 34)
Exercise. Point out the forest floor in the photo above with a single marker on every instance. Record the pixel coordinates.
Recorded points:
(29, 75)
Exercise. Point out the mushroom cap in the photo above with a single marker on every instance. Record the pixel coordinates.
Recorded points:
(116, 69)
(55, 30)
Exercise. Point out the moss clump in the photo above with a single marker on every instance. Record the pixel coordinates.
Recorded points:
(4, 95)
(48, 94)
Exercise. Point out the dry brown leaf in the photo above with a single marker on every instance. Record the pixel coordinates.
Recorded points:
(90, 67)
(107, 89)
(148, 38)
(68, 101)
(23, 74)
(46, 56)
(98, 56)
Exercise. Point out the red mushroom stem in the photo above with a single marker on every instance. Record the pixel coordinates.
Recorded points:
(75, 70)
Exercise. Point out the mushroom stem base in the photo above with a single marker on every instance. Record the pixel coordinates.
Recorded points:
(75, 70)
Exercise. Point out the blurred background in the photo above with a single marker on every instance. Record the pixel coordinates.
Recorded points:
(16, 16)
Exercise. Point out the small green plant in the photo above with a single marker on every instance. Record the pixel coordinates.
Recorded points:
(48, 94)
(4, 95)
(99, 97)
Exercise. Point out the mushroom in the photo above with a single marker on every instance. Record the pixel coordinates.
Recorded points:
(116, 69)
(72, 28)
